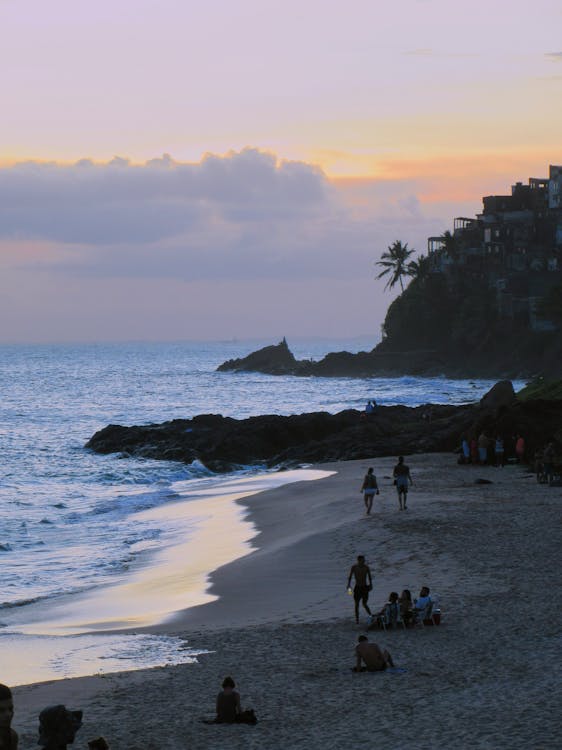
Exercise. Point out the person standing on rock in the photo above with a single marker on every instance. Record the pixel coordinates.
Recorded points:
(363, 585)
(369, 488)
(402, 477)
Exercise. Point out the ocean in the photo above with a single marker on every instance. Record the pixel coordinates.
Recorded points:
(75, 525)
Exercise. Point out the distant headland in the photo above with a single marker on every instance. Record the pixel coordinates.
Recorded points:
(486, 300)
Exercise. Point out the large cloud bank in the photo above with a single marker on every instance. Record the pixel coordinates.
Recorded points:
(245, 215)
(237, 245)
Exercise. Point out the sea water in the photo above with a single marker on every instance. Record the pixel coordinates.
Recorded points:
(72, 521)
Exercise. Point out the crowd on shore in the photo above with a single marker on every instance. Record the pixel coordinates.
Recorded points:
(485, 451)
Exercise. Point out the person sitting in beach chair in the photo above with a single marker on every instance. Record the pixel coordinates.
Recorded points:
(370, 657)
(406, 607)
(389, 616)
(8, 737)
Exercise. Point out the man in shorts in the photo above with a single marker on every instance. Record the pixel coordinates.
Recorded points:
(402, 476)
(363, 584)
(370, 657)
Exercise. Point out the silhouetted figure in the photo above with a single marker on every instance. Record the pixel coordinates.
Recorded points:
(58, 727)
(8, 738)
(228, 703)
(499, 451)
(369, 488)
(363, 584)
(406, 606)
(98, 744)
(520, 449)
(402, 476)
(371, 656)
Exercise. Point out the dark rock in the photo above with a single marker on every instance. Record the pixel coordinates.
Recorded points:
(272, 360)
(225, 444)
(500, 395)
(483, 481)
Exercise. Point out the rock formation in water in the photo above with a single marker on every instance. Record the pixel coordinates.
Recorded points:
(225, 444)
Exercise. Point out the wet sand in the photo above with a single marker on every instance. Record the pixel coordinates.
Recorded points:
(488, 677)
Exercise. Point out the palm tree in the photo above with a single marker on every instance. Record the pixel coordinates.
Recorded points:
(419, 268)
(394, 261)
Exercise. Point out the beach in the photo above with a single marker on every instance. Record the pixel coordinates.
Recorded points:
(488, 677)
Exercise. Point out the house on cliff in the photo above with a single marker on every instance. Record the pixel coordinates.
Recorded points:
(514, 246)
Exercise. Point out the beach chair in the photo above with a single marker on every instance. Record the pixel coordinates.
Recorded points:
(391, 617)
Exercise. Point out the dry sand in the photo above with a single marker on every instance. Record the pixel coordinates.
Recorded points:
(488, 677)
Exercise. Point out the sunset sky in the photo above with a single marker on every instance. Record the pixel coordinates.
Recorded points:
(191, 170)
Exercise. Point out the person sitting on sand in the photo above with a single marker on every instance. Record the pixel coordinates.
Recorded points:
(363, 584)
(228, 703)
(423, 599)
(369, 488)
(98, 744)
(8, 738)
(389, 613)
(406, 606)
(58, 727)
(371, 656)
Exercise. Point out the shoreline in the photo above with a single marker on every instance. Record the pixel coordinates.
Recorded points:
(71, 630)
(470, 543)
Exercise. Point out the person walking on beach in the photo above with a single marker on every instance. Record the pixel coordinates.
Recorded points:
(363, 584)
(369, 488)
(372, 656)
(402, 476)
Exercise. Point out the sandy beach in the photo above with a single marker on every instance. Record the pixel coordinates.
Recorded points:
(283, 626)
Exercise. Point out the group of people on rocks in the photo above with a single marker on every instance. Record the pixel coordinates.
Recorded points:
(402, 479)
(484, 450)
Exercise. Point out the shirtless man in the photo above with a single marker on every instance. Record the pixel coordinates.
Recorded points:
(369, 654)
(363, 584)
(8, 738)
(402, 476)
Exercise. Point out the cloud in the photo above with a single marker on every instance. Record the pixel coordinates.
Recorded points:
(554, 56)
(246, 215)
(118, 202)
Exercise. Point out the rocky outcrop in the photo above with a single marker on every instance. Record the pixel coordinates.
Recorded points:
(502, 394)
(224, 444)
(272, 360)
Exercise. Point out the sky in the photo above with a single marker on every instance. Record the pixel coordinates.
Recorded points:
(211, 170)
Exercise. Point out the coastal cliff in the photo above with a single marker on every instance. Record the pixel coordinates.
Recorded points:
(486, 300)
(435, 327)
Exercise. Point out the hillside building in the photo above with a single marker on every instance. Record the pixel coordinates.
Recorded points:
(515, 245)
